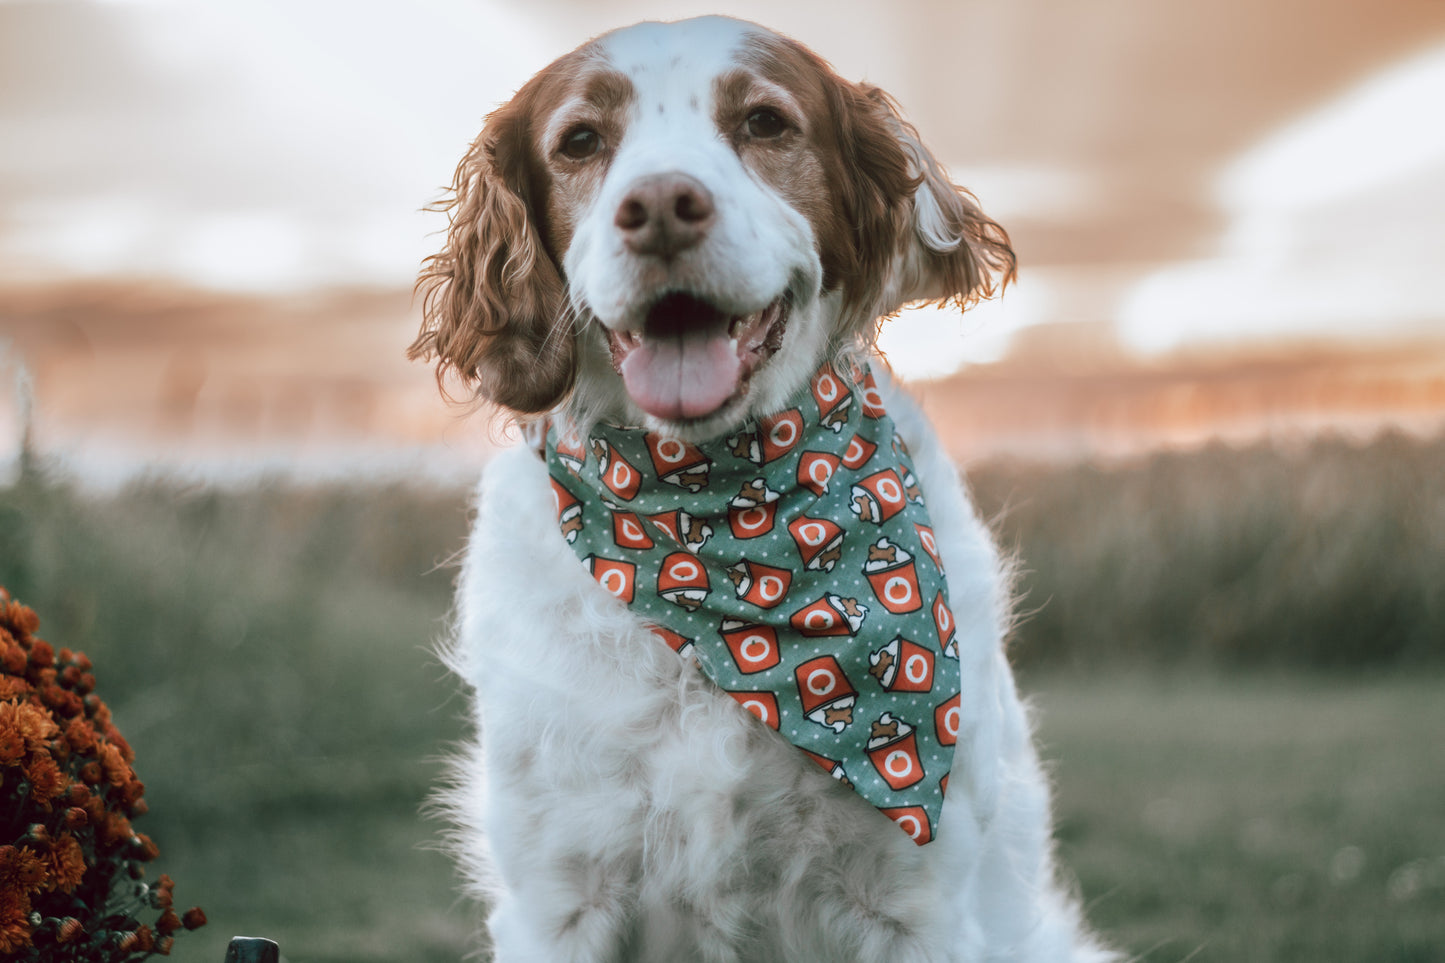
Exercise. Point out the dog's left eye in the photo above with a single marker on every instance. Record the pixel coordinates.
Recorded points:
(765, 124)
(581, 143)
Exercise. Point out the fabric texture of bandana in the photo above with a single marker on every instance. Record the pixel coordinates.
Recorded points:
(796, 563)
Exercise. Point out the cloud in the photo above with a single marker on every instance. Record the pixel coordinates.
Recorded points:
(165, 139)
(1333, 231)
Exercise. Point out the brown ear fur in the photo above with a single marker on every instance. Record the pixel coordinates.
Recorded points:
(870, 188)
(492, 298)
(949, 248)
(965, 255)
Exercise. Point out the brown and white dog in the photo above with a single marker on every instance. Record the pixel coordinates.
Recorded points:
(674, 226)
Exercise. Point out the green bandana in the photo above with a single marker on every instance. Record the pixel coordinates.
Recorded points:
(795, 562)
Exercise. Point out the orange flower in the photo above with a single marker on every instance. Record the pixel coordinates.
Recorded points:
(31, 721)
(64, 703)
(113, 829)
(168, 923)
(74, 850)
(70, 928)
(42, 656)
(21, 871)
(67, 864)
(113, 736)
(128, 796)
(22, 617)
(145, 849)
(80, 734)
(162, 898)
(46, 779)
(12, 745)
(14, 926)
(116, 771)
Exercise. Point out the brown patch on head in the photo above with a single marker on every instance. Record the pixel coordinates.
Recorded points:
(597, 100)
(854, 173)
(494, 307)
(851, 175)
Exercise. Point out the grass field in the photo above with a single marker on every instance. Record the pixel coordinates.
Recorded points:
(267, 653)
(1253, 819)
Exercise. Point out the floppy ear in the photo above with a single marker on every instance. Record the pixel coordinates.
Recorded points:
(871, 189)
(492, 298)
(912, 235)
(953, 250)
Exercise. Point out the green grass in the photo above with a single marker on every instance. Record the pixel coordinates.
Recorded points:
(1325, 556)
(267, 653)
(1266, 818)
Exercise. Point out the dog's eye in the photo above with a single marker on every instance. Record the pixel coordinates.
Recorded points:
(581, 143)
(765, 124)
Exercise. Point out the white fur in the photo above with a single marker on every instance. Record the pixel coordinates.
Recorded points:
(610, 809)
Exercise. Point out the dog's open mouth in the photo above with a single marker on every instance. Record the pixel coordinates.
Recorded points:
(691, 358)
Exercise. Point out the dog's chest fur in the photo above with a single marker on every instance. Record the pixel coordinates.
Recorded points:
(624, 791)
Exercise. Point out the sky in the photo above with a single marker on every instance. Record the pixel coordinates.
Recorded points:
(1190, 174)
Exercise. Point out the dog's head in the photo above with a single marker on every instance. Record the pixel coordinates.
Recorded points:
(675, 224)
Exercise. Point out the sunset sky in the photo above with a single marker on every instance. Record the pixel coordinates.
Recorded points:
(1189, 174)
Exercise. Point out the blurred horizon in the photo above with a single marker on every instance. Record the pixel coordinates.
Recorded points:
(1227, 218)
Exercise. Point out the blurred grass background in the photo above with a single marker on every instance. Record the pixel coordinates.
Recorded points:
(1237, 657)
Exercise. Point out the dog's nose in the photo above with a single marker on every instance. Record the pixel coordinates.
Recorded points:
(665, 214)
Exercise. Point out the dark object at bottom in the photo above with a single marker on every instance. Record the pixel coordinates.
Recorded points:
(252, 949)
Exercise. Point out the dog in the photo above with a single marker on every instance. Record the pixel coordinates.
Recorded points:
(681, 238)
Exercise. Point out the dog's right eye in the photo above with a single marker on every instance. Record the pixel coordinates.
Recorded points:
(581, 143)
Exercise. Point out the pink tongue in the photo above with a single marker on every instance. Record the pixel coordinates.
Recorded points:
(685, 376)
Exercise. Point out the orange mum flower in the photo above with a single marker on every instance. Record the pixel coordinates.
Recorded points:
(80, 734)
(12, 745)
(161, 896)
(113, 830)
(64, 702)
(168, 923)
(146, 849)
(46, 779)
(67, 864)
(14, 926)
(70, 928)
(22, 617)
(31, 721)
(20, 870)
(67, 875)
(113, 736)
(42, 656)
(194, 918)
(111, 760)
